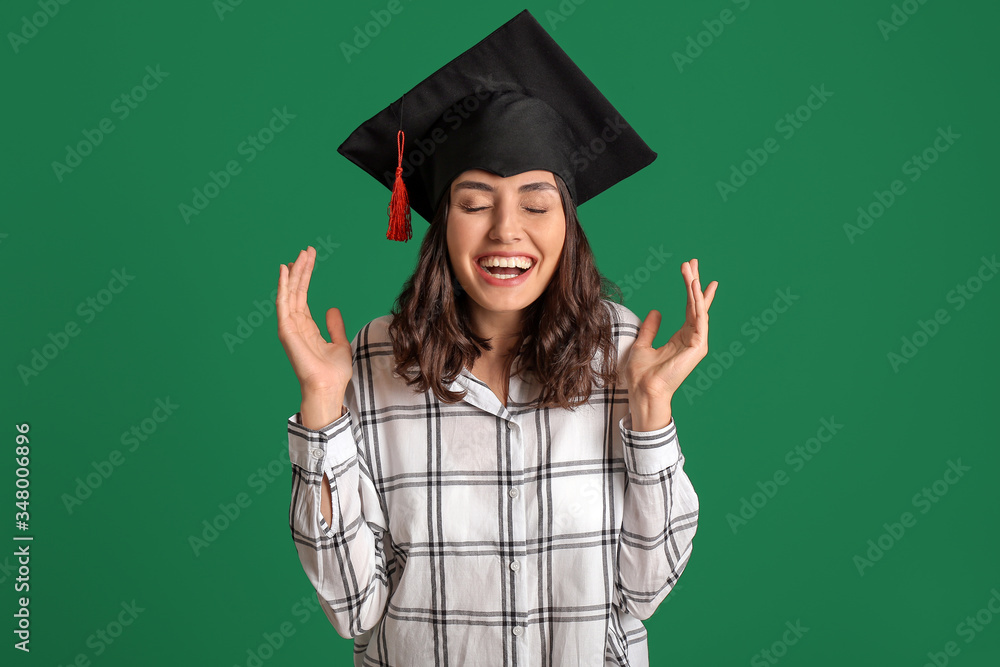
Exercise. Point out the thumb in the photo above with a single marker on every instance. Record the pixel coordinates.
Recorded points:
(647, 332)
(335, 325)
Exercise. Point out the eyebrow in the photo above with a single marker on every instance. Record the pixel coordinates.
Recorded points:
(528, 187)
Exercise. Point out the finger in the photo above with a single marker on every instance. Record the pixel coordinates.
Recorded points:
(335, 326)
(307, 274)
(710, 294)
(294, 295)
(305, 289)
(281, 303)
(648, 329)
(686, 271)
(699, 296)
(294, 271)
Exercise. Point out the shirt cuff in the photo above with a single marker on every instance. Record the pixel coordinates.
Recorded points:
(649, 452)
(320, 450)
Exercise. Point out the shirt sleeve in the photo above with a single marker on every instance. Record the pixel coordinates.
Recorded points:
(346, 560)
(660, 517)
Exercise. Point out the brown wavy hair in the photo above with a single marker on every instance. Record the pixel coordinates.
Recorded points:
(563, 331)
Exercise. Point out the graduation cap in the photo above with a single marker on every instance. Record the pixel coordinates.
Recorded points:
(512, 103)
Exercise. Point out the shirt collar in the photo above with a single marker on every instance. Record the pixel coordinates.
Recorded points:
(478, 393)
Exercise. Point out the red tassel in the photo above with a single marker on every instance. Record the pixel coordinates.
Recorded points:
(399, 205)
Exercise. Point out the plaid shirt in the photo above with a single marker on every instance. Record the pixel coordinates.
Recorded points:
(475, 533)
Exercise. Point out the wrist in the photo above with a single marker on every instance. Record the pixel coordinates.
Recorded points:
(317, 393)
(650, 413)
(320, 410)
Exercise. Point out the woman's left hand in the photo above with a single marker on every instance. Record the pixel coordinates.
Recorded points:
(654, 375)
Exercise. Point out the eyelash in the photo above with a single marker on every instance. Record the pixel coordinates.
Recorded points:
(470, 209)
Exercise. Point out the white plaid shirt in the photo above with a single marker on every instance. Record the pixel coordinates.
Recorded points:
(479, 534)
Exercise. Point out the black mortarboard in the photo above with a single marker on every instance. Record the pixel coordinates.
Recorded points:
(514, 102)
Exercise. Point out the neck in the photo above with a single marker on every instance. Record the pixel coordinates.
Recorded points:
(503, 329)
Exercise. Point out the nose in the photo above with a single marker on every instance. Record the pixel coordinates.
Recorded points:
(506, 226)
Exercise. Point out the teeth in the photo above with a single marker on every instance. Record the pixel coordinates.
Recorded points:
(507, 262)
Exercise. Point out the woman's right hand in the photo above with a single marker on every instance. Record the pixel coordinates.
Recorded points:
(323, 368)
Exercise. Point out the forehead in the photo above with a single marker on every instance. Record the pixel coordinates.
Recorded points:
(489, 178)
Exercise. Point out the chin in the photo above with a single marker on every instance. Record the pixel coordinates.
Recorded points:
(504, 303)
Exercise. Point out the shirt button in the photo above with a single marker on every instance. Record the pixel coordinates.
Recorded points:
(517, 631)
(509, 426)
(317, 453)
(514, 565)
(512, 493)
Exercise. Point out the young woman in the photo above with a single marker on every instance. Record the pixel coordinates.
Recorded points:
(491, 473)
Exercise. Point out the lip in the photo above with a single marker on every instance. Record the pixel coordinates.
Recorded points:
(505, 254)
(505, 282)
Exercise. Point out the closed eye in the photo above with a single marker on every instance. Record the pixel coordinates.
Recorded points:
(475, 209)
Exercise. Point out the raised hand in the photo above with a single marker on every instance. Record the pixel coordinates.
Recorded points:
(654, 375)
(323, 368)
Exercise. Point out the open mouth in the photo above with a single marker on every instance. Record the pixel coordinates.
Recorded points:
(505, 268)
(504, 273)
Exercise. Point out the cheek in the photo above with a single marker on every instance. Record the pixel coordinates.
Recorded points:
(458, 252)
(556, 242)
(451, 244)
(463, 236)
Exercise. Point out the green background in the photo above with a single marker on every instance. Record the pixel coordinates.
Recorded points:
(164, 335)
